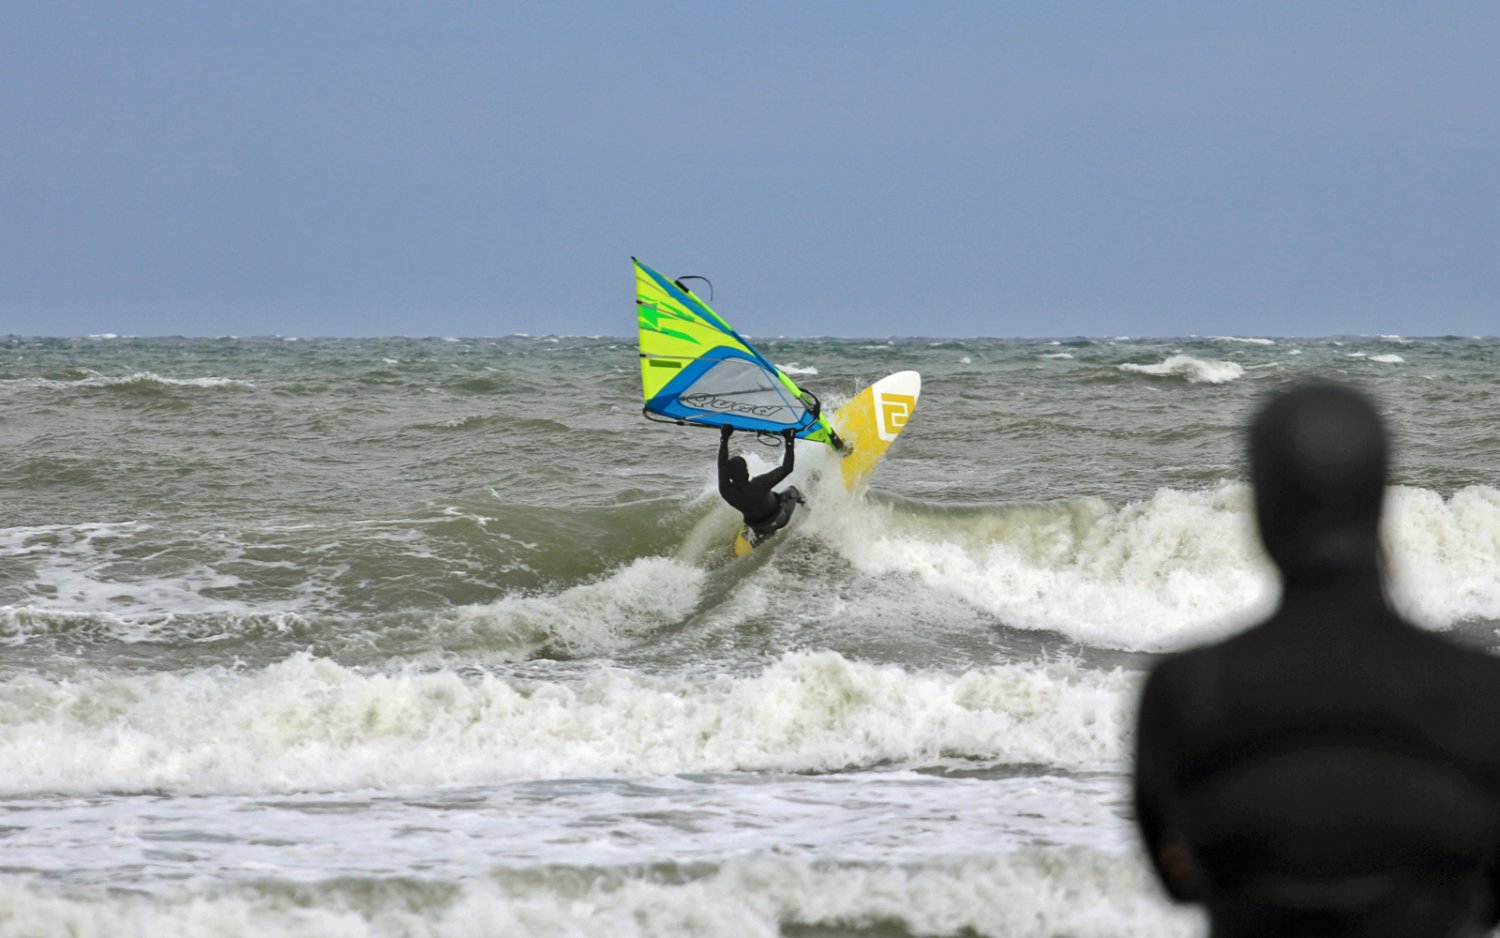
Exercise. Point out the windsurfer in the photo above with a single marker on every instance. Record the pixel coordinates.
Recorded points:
(765, 511)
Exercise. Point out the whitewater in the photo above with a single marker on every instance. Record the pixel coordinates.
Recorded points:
(439, 637)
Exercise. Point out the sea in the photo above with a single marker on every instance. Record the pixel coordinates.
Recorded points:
(413, 637)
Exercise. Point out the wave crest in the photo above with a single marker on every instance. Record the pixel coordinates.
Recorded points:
(1195, 370)
(310, 724)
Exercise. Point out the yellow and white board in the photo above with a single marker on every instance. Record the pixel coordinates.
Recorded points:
(868, 423)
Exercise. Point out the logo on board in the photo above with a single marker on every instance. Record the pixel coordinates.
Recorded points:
(894, 410)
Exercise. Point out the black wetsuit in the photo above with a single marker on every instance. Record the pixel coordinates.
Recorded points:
(765, 511)
(1333, 770)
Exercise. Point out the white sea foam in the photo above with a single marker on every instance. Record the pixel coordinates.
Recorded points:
(1153, 575)
(139, 379)
(1247, 341)
(78, 565)
(793, 368)
(1039, 892)
(1445, 553)
(1179, 568)
(309, 724)
(880, 817)
(1387, 359)
(1056, 355)
(585, 619)
(1195, 370)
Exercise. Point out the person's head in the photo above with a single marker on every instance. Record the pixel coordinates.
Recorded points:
(736, 469)
(1318, 464)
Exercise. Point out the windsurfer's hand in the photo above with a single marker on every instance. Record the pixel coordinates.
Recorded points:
(725, 431)
(789, 434)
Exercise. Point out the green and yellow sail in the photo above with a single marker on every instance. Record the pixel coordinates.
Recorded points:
(695, 369)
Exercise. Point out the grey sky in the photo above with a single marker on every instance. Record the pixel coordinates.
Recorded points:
(843, 168)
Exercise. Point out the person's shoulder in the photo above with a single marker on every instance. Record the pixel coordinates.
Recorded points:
(1184, 674)
(1209, 654)
(1461, 652)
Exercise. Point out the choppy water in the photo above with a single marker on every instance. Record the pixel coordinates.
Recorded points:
(440, 637)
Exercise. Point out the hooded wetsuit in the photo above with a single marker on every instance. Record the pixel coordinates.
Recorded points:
(1333, 770)
(753, 498)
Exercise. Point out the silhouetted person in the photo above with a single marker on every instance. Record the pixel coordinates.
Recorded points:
(1334, 770)
(765, 511)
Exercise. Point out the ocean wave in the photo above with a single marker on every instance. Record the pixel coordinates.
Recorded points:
(585, 619)
(307, 723)
(23, 625)
(1147, 576)
(1150, 575)
(140, 382)
(1388, 358)
(1036, 892)
(1195, 370)
(480, 385)
(482, 575)
(150, 379)
(1243, 340)
(468, 422)
(1155, 575)
(792, 368)
(116, 579)
(1444, 553)
(472, 422)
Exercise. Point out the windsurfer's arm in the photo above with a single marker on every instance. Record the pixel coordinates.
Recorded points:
(775, 476)
(724, 433)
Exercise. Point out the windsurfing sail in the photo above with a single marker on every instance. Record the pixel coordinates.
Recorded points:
(696, 370)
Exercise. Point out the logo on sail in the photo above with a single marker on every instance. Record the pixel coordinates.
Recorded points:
(703, 401)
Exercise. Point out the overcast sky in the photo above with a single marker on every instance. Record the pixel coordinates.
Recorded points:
(837, 168)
